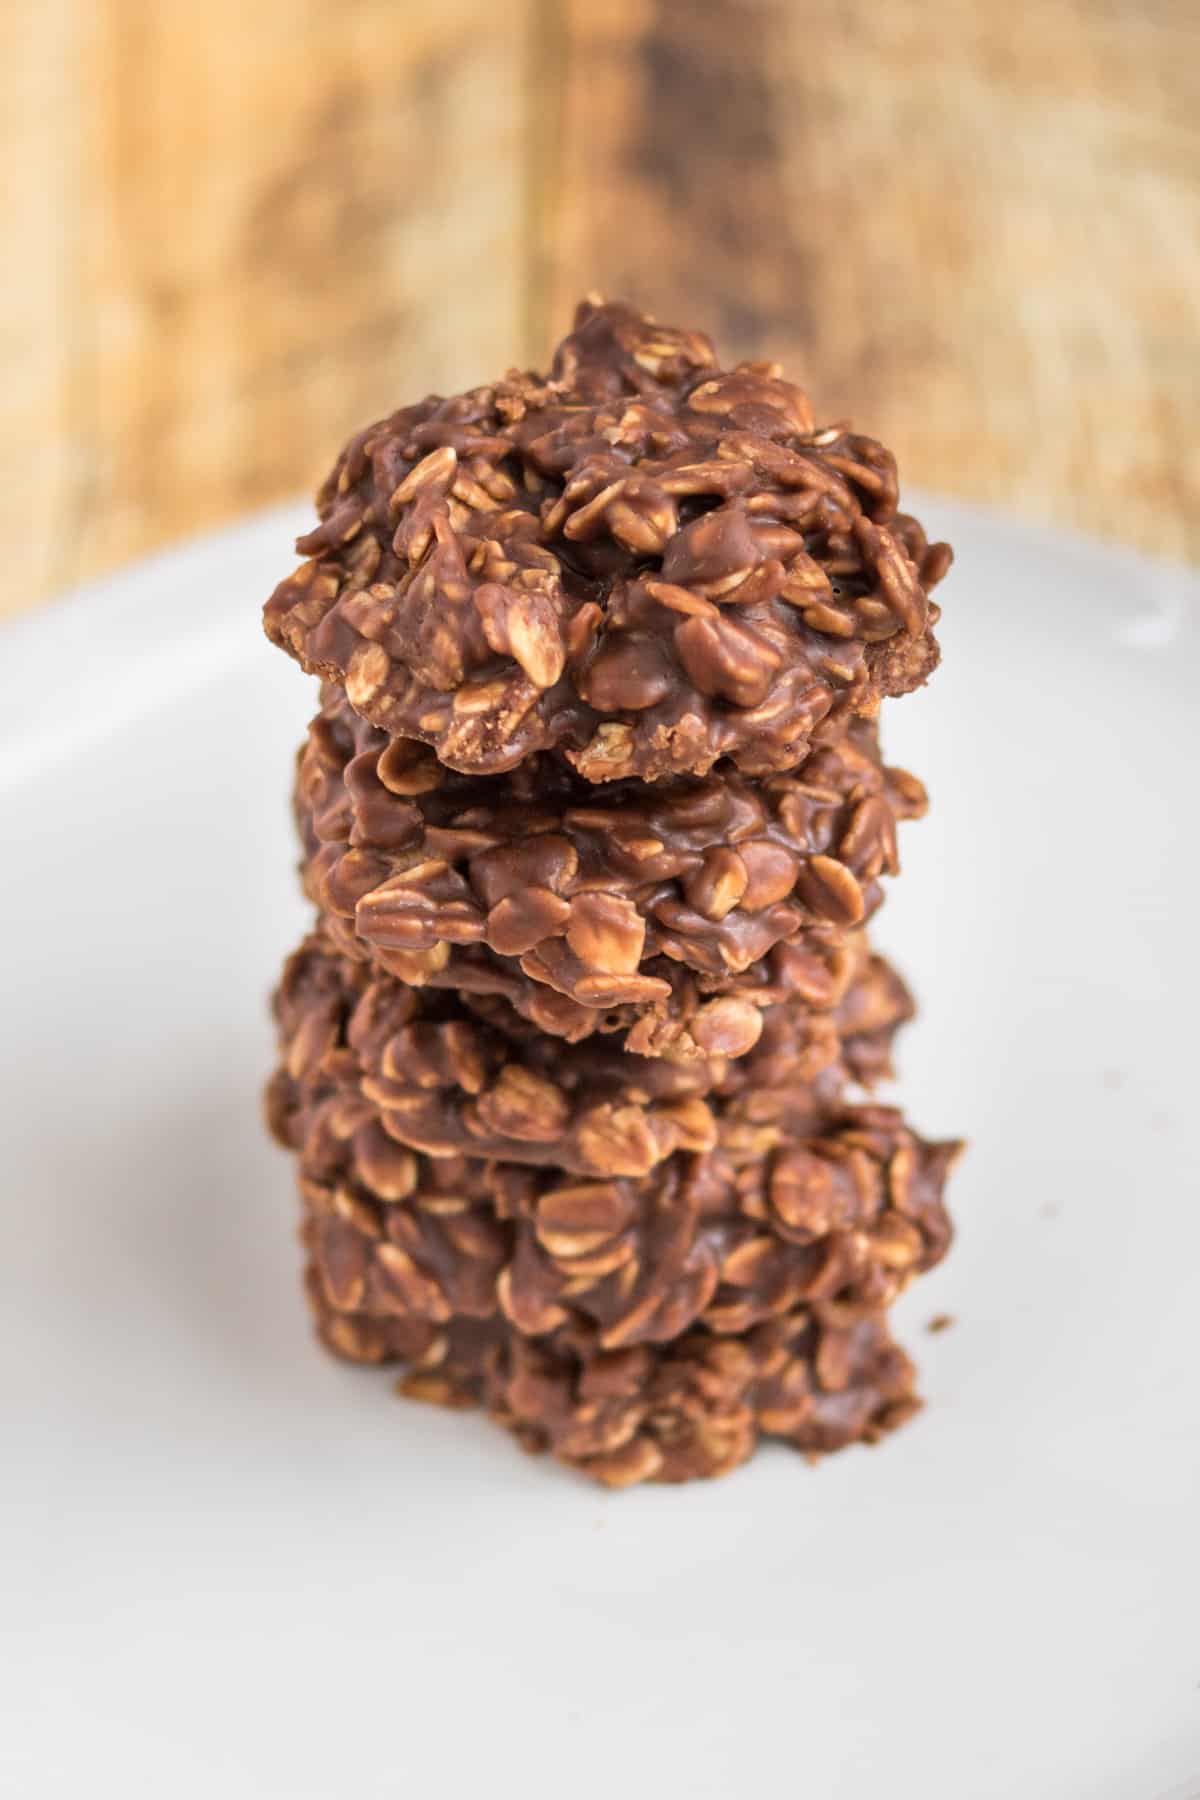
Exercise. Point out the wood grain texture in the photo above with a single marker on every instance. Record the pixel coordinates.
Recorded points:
(976, 230)
(263, 225)
(235, 231)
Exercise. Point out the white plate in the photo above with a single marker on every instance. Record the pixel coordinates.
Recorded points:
(232, 1566)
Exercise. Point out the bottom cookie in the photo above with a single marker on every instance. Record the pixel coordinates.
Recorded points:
(688, 1410)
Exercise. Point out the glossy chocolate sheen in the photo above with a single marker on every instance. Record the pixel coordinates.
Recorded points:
(641, 562)
(639, 1327)
(846, 1212)
(586, 890)
(575, 1064)
(766, 1281)
(373, 1055)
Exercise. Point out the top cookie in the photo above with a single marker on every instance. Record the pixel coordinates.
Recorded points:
(643, 561)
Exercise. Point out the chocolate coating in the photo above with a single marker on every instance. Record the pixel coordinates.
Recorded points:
(586, 891)
(846, 1213)
(799, 1199)
(641, 562)
(594, 817)
(760, 1289)
(684, 1411)
(364, 1052)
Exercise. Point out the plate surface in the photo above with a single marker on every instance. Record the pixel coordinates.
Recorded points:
(230, 1565)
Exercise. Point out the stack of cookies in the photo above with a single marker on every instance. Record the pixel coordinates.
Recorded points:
(576, 1062)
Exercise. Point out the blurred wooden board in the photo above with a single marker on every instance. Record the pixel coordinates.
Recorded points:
(974, 228)
(243, 230)
(234, 232)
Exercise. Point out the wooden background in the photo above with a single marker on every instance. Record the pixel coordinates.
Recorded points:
(234, 231)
